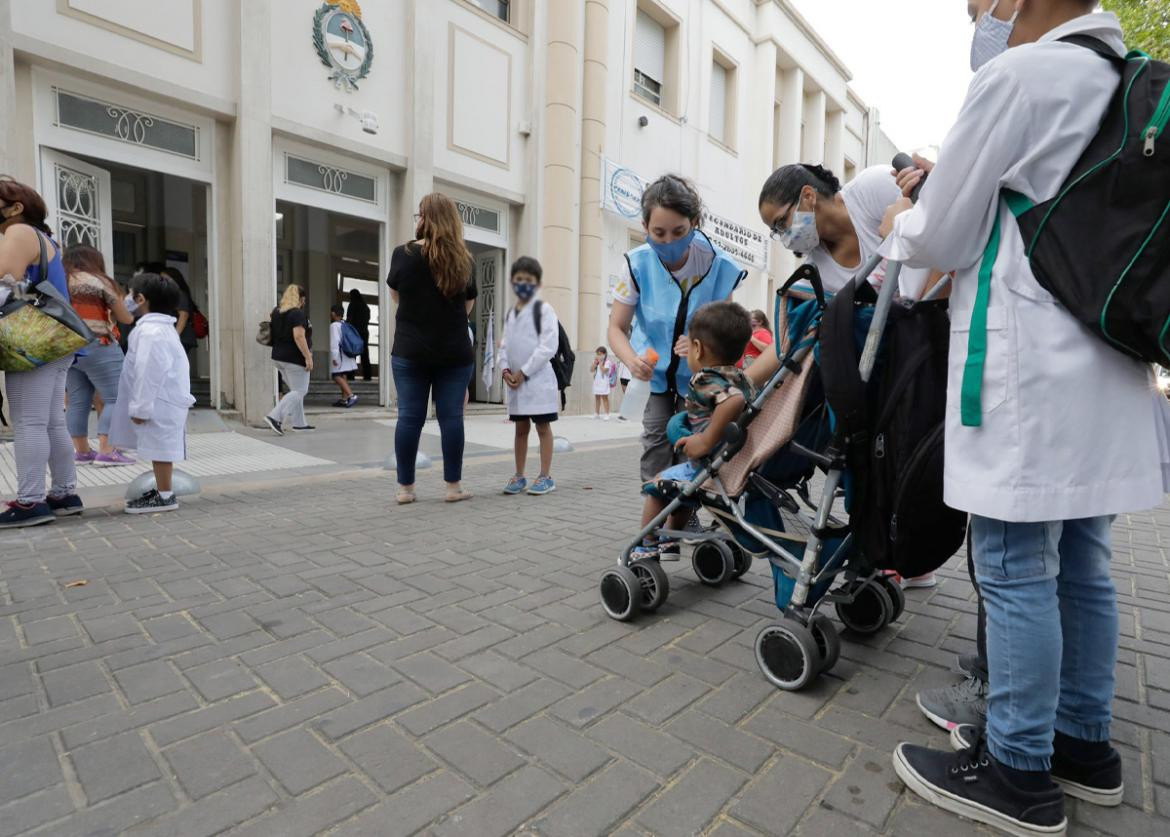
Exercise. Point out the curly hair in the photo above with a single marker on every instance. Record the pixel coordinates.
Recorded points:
(291, 298)
(441, 231)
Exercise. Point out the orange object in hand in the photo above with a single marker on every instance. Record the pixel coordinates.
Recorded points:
(651, 357)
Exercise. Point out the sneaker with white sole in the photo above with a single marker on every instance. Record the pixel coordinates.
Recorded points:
(274, 425)
(152, 502)
(921, 582)
(543, 485)
(950, 706)
(113, 459)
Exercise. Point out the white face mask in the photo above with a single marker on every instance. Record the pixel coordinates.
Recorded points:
(991, 37)
(801, 236)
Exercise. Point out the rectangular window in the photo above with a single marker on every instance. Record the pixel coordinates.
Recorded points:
(499, 8)
(120, 123)
(718, 127)
(649, 58)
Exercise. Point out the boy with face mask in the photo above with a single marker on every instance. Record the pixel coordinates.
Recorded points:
(1050, 433)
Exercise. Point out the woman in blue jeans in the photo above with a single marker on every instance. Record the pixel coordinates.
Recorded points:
(432, 285)
(98, 368)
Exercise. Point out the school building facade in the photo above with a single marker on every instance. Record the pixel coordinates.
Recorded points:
(253, 143)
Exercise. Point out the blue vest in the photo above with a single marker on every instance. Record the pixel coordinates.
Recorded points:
(663, 313)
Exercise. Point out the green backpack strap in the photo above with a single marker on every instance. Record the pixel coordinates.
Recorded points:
(971, 393)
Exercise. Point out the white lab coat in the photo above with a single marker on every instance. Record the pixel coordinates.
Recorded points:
(1068, 430)
(339, 362)
(523, 350)
(156, 386)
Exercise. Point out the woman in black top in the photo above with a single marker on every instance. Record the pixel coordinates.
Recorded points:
(358, 316)
(431, 284)
(292, 353)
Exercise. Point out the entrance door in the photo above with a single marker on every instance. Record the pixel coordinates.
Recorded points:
(489, 264)
(78, 197)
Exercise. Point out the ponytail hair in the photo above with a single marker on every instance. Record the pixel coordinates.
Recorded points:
(34, 212)
(676, 194)
(786, 183)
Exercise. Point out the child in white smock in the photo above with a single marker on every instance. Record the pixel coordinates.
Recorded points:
(530, 340)
(154, 392)
(603, 373)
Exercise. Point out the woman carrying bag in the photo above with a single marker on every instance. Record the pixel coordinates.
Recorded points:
(36, 396)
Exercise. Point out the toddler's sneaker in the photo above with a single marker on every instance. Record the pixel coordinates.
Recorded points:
(349, 402)
(84, 458)
(66, 505)
(516, 485)
(669, 550)
(647, 551)
(114, 459)
(19, 515)
(920, 582)
(152, 502)
(543, 485)
(605, 417)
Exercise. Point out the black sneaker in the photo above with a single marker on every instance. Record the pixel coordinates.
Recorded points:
(274, 425)
(669, 551)
(969, 665)
(340, 402)
(66, 505)
(303, 428)
(971, 784)
(152, 502)
(1098, 782)
(19, 515)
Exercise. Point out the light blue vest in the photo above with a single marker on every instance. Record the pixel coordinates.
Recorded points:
(663, 313)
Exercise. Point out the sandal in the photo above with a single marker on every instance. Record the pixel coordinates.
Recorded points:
(405, 495)
(456, 495)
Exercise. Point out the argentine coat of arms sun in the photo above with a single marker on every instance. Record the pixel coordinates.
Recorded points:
(343, 42)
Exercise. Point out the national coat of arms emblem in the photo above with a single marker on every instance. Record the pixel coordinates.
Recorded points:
(343, 42)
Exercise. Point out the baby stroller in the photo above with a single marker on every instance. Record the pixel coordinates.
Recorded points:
(759, 485)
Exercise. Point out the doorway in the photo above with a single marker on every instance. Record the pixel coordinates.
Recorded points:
(487, 320)
(137, 217)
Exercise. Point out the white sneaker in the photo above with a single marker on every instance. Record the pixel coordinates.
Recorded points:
(596, 416)
(605, 417)
(922, 582)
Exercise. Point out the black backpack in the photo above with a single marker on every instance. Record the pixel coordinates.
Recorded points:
(892, 431)
(1101, 247)
(564, 359)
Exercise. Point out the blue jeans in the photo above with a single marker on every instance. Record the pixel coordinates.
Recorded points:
(98, 370)
(1052, 632)
(414, 382)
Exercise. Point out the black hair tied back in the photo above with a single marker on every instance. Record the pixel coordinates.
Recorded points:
(786, 183)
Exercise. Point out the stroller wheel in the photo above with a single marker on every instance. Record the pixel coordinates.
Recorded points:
(897, 597)
(788, 655)
(713, 563)
(741, 560)
(655, 584)
(621, 593)
(870, 610)
(828, 641)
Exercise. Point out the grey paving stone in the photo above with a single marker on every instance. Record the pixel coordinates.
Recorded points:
(412, 809)
(478, 755)
(521, 704)
(208, 763)
(68, 685)
(113, 766)
(560, 666)
(298, 760)
(596, 807)
(642, 744)
(361, 674)
(48, 630)
(588, 705)
(430, 671)
(868, 789)
(184, 726)
(668, 698)
(29, 766)
(689, 805)
(34, 811)
(504, 808)
(565, 751)
(217, 813)
(433, 714)
(16, 680)
(388, 757)
(148, 681)
(279, 718)
(777, 798)
(137, 806)
(314, 813)
(221, 679)
(734, 746)
(291, 676)
(139, 716)
(799, 737)
(369, 710)
(102, 628)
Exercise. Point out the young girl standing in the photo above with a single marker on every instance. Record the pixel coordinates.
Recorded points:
(154, 393)
(602, 370)
(528, 345)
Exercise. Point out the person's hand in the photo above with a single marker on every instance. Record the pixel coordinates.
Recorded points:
(682, 345)
(139, 421)
(896, 209)
(336, 364)
(692, 447)
(908, 179)
(640, 369)
(309, 363)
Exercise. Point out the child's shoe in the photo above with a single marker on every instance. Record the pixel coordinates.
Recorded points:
(19, 515)
(669, 550)
(605, 417)
(66, 505)
(152, 502)
(516, 485)
(349, 402)
(543, 485)
(647, 551)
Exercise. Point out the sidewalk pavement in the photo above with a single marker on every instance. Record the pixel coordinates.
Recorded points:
(304, 657)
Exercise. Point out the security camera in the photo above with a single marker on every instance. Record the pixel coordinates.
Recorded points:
(369, 122)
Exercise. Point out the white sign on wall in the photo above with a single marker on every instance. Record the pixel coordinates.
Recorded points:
(621, 194)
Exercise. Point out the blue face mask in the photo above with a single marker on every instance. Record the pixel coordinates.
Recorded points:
(524, 290)
(675, 251)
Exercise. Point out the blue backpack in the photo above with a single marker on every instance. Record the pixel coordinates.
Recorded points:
(351, 341)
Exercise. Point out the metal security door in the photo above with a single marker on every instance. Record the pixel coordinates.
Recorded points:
(488, 266)
(77, 195)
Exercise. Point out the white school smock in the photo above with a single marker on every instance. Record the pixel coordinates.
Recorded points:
(1068, 430)
(522, 350)
(339, 363)
(155, 385)
(601, 385)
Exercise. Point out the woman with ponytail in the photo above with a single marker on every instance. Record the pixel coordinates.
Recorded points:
(36, 398)
(432, 286)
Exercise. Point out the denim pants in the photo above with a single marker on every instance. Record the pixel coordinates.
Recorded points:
(292, 406)
(98, 370)
(415, 382)
(1052, 632)
(36, 401)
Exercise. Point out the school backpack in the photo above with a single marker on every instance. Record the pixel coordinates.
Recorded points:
(351, 343)
(613, 374)
(892, 432)
(1101, 247)
(564, 359)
